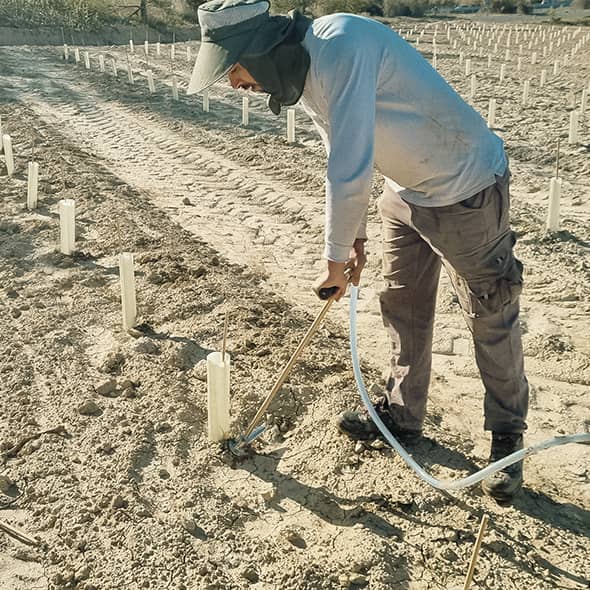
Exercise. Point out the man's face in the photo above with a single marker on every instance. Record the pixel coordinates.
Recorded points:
(239, 77)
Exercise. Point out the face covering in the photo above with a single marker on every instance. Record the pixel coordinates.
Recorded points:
(281, 70)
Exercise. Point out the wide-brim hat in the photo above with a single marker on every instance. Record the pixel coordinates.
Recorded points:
(228, 29)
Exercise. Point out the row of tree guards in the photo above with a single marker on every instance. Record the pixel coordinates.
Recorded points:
(151, 83)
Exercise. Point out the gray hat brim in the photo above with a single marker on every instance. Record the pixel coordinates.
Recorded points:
(215, 60)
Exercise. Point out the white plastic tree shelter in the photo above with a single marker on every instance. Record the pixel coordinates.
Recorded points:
(146, 47)
(583, 102)
(130, 74)
(467, 67)
(543, 80)
(189, 55)
(150, 81)
(502, 72)
(218, 386)
(573, 130)
(492, 112)
(158, 48)
(291, 125)
(128, 298)
(101, 63)
(87, 60)
(131, 46)
(67, 225)
(114, 67)
(245, 111)
(525, 92)
(66, 52)
(77, 55)
(174, 88)
(172, 52)
(32, 185)
(553, 210)
(473, 87)
(8, 155)
(206, 101)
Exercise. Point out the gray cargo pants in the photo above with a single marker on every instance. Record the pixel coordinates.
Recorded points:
(474, 242)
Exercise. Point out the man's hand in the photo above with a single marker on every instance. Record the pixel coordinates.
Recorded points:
(356, 262)
(339, 274)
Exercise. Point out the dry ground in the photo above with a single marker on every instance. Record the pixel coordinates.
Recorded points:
(223, 218)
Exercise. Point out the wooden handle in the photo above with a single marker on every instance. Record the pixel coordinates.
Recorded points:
(285, 372)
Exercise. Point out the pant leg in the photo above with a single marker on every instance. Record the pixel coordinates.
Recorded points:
(475, 239)
(411, 271)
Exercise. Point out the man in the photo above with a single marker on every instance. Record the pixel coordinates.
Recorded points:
(376, 102)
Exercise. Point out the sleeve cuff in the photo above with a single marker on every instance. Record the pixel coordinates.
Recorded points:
(337, 253)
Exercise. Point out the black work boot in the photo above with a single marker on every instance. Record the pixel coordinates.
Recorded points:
(504, 485)
(359, 426)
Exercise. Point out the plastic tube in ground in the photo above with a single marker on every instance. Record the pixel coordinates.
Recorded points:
(67, 225)
(573, 130)
(32, 187)
(553, 211)
(101, 63)
(174, 88)
(87, 60)
(492, 113)
(66, 52)
(8, 155)
(150, 80)
(291, 125)
(218, 382)
(77, 55)
(206, 101)
(245, 111)
(128, 299)
(114, 67)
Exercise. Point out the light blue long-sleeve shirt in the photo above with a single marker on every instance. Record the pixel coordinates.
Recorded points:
(376, 101)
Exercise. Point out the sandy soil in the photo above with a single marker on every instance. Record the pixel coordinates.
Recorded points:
(126, 492)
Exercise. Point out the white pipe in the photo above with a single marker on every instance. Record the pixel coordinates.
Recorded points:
(245, 111)
(101, 63)
(174, 88)
(150, 81)
(553, 210)
(87, 60)
(158, 48)
(8, 155)
(172, 52)
(502, 72)
(422, 473)
(131, 46)
(525, 93)
(543, 78)
(146, 47)
(128, 299)
(32, 185)
(77, 55)
(67, 224)
(492, 113)
(66, 52)
(206, 101)
(291, 125)
(573, 130)
(218, 386)
(114, 67)
(130, 74)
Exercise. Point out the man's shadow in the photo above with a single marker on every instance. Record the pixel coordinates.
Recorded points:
(318, 500)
